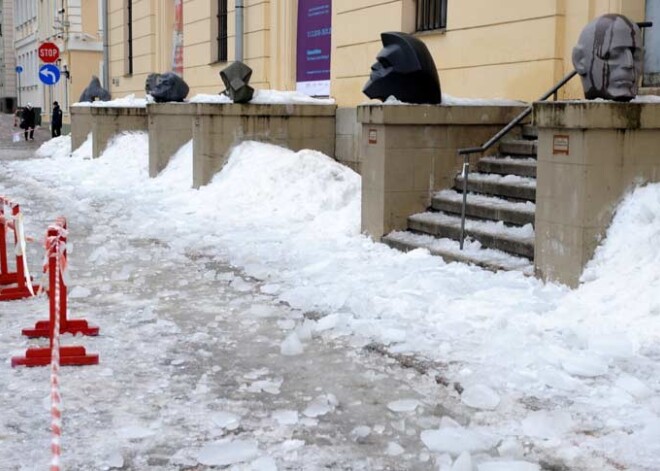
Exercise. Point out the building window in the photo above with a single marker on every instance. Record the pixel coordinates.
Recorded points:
(222, 30)
(128, 69)
(431, 14)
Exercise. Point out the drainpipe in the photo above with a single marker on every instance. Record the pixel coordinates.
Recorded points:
(239, 30)
(106, 53)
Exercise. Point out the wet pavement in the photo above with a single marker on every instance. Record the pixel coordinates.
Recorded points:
(192, 365)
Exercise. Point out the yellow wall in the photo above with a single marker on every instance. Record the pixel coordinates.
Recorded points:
(511, 49)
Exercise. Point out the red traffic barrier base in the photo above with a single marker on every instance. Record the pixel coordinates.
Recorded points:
(69, 356)
(75, 327)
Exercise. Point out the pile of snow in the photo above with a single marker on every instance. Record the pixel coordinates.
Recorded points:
(292, 219)
(219, 98)
(129, 101)
(57, 148)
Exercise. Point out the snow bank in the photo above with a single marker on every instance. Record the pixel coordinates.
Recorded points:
(57, 148)
(293, 220)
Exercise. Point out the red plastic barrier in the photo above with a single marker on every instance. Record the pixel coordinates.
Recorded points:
(18, 277)
(57, 294)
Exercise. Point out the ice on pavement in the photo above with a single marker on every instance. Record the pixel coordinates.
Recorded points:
(292, 221)
(480, 396)
(228, 453)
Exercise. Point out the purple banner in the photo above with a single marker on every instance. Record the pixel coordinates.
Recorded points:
(313, 46)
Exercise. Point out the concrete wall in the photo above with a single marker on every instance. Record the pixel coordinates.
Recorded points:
(170, 127)
(106, 122)
(81, 125)
(589, 156)
(219, 127)
(408, 152)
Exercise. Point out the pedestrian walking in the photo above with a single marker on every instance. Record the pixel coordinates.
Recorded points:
(56, 120)
(28, 121)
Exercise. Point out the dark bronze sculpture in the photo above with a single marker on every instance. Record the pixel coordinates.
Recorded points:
(94, 91)
(405, 70)
(166, 87)
(236, 78)
(608, 58)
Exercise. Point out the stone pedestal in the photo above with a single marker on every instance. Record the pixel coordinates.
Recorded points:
(589, 155)
(407, 152)
(108, 121)
(81, 125)
(219, 127)
(170, 127)
(348, 138)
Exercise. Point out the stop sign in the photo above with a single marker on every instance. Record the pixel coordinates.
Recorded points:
(49, 52)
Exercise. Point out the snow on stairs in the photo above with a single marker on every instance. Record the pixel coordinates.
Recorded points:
(499, 213)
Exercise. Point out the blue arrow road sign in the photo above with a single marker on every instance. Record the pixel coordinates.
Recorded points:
(49, 74)
(19, 69)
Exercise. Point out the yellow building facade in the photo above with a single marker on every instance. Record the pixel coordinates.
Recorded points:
(512, 49)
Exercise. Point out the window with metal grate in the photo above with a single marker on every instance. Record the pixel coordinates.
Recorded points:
(222, 30)
(431, 14)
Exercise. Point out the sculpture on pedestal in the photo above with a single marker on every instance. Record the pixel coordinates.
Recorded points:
(236, 78)
(404, 69)
(166, 87)
(94, 91)
(608, 58)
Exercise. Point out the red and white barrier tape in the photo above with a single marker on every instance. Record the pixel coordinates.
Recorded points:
(55, 397)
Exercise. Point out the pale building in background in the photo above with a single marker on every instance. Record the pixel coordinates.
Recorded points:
(75, 26)
(7, 57)
(26, 42)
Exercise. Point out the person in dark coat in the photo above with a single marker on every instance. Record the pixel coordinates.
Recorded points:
(28, 121)
(56, 120)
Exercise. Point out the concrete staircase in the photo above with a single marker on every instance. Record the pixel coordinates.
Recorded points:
(499, 213)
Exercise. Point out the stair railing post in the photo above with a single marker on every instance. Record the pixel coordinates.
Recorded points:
(466, 170)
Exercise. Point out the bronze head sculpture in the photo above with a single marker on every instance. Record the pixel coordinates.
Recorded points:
(94, 91)
(608, 58)
(236, 78)
(404, 69)
(166, 87)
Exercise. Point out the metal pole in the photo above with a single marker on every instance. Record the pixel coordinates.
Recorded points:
(239, 30)
(466, 170)
(106, 47)
(19, 91)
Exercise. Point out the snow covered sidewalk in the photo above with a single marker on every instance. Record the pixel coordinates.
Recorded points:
(546, 374)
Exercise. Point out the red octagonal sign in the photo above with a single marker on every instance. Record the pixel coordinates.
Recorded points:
(49, 52)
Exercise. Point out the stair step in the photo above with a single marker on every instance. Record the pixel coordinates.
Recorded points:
(508, 166)
(485, 207)
(508, 186)
(494, 235)
(530, 132)
(518, 147)
(449, 250)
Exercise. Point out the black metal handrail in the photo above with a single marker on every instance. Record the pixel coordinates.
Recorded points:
(465, 152)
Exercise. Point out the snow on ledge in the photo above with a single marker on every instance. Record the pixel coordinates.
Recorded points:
(129, 101)
(448, 100)
(267, 97)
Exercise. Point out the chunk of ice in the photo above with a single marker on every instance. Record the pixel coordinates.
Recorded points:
(508, 466)
(456, 440)
(547, 424)
(228, 453)
(403, 405)
(291, 345)
(480, 396)
(585, 365)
